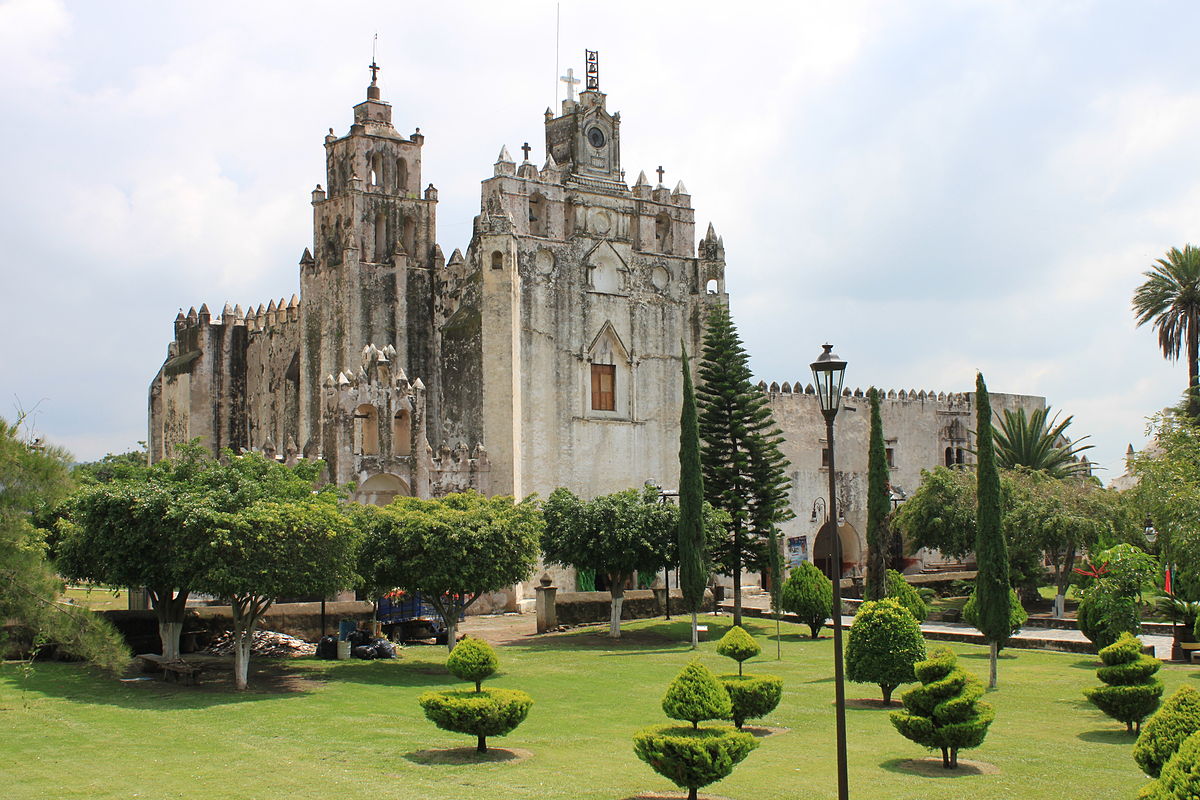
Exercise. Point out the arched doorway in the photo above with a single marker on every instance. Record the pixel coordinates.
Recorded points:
(379, 490)
(823, 550)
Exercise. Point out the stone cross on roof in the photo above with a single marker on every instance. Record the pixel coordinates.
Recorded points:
(660, 172)
(526, 148)
(570, 80)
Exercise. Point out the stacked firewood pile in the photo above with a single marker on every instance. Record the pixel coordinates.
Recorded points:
(266, 643)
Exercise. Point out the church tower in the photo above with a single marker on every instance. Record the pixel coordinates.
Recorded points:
(367, 279)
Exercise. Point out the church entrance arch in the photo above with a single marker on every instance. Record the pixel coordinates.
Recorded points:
(823, 550)
(379, 490)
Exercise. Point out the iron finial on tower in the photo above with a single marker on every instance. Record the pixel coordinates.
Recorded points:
(373, 89)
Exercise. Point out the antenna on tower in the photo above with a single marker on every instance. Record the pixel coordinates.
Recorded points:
(557, 29)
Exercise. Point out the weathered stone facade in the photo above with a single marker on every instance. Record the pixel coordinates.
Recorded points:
(547, 355)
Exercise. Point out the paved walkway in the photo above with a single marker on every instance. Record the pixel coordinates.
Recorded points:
(1033, 638)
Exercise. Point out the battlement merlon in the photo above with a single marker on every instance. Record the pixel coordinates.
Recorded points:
(956, 399)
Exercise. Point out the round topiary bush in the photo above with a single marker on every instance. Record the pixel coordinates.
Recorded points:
(751, 696)
(738, 645)
(1131, 692)
(1180, 779)
(691, 758)
(1105, 613)
(908, 596)
(1175, 721)
(884, 643)
(483, 712)
(944, 711)
(808, 593)
(1016, 612)
(472, 660)
(489, 712)
(696, 695)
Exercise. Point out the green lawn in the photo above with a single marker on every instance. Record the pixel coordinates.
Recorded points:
(347, 728)
(97, 598)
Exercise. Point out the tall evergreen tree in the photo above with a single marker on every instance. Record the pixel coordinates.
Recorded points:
(693, 574)
(991, 552)
(878, 505)
(744, 469)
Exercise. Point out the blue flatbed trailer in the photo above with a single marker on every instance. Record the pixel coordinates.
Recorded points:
(406, 617)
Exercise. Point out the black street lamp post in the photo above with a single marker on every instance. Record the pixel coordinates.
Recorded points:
(828, 371)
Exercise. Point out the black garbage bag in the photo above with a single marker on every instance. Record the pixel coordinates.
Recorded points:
(383, 648)
(358, 638)
(364, 651)
(327, 647)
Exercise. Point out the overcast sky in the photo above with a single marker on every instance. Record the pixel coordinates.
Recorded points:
(934, 187)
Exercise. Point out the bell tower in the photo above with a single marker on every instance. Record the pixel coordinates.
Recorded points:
(586, 139)
(367, 280)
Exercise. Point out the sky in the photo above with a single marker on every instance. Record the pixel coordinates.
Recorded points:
(935, 188)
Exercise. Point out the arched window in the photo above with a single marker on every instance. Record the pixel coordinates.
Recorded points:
(376, 174)
(497, 260)
(410, 237)
(401, 176)
(711, 287)
(401, 434)
(380, 237)
(662, 232)
(949, 456)
(958, 456)
(366, 430)
(537, 215)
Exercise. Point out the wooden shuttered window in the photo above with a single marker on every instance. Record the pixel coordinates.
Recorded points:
(604, 377)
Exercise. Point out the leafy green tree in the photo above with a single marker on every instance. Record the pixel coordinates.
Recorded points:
(945, 710)
(904, 593)
(885, 642)
(1017, 615)
(1163, 733)
(1169, 299)
(130, 465)
(1168, 490)
(692, 758)
(878, 504)
(751, 696)
(744, 470)
(483, 712)
(991, 551)
(808, 594)
(1109, 604)
(1131, 692)
(34, 477)
(452, 550)
(940, 513)
(275, 549)
(696, 695)
(1180, 778)
(738, 645)
(693, 566)
(1033, 442)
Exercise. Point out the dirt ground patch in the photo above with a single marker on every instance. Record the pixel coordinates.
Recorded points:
(468, 755)
(932, 768)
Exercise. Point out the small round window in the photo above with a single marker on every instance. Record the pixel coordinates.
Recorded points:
(596, 138)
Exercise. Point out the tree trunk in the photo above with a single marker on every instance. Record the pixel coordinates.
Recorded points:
(168, 633)
(737, 577)
(887, 694)
(451, 631)
(169, 607)
(246, 613)
(617, 590)
(243, 640)
(692, 793)
(695, 632)
(481, 745)
(954, 758)
(946, 757)
(778, 643)
(994, 648)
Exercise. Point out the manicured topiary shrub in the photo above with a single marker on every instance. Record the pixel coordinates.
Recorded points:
(1016, 612)
(1131, 692)
(1175, 721)
(1180, 779)
(738, 645)
(696, 695)
(693, 757)
(1105, 613)
(808, 593)
(483, 712)
(884, 643)
(908, 596)
(752, 696)
(945, 711)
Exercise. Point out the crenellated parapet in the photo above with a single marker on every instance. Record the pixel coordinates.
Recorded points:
(904, 395)
(459, 469)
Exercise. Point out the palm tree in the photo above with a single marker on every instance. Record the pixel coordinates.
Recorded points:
(1038, 442)
(1170, 299)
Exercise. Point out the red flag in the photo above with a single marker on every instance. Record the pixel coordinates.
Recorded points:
(1167, 581)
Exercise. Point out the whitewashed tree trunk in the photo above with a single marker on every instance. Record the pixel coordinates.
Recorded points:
(614, 623)
(451, 631)
(1060, 605)
(241, 659)
(695, 632)
(995, 652)
(169, 633)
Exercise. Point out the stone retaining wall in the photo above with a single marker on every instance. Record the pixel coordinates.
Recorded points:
(573, 608)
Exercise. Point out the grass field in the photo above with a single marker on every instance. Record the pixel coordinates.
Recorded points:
(352, 729)
(97, 598)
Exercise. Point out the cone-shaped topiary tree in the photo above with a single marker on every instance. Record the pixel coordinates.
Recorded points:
(808, 593)
(878, 505)
(945, 710)
(483, 712)
(1180, 779)
(693, 757)
(1131, 692)
(693, 567)
(885, 642)
(1175, 721)
(908, 597)
(738, 645)
(991, 550)
(1017, 616)
(751, 696)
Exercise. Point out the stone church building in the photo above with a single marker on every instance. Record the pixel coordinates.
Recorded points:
(544, 354)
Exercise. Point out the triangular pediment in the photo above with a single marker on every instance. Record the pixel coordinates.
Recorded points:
(607, 340)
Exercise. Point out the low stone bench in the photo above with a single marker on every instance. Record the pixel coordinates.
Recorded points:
(178, 671)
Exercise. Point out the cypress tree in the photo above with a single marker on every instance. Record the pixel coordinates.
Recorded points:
(991, 552)
(693, 576)
(878, 505)
(744, 469)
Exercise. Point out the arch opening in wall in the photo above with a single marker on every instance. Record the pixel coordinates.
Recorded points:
(537, 214)
(375, 176)
(401, 434)
(497, 260)
(401, 176)
(823, 550)
(711, 287)
(662, 232)
(366, 430)
(949, 456)
(410, 236)
(381, 489)
(380, 237)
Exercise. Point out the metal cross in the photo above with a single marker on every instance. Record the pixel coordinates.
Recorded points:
(374, 70)
(660, 172)
(570, 80)
(526, 148)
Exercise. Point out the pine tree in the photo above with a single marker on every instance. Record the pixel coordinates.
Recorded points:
(991, 552)
(878, 504)
(693, 574)
(744, 469)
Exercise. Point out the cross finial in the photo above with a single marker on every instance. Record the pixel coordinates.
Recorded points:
(570, 80)
(526, 148)
(660, 172)
(374, 70)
